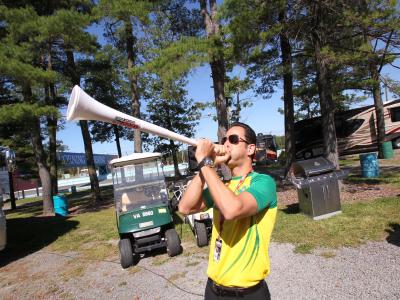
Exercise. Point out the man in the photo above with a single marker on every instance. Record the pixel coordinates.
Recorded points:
(244, 211)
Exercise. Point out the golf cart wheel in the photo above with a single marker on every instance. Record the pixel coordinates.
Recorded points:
(173, 242)
(125, 253)
(200, 232)
(174, 204)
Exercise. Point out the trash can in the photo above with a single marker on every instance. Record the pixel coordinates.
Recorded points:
(72, 189)
(60, 205)
(369, 165)
(387, 150)
(317, 187)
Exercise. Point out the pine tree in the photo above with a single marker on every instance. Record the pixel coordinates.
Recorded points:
(167, 102)
(20, 62)
(260, 33)
(376, 24)
(217, 62)
(75, 41)
(123, 23)
(171, 109)
(105, 83)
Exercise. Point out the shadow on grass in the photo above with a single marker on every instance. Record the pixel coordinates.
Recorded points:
(177, 218)
(386, 177)
(394, 234)
(32, 208)
(358, 179)
(82, 201)
(292, 209)
(28, 235)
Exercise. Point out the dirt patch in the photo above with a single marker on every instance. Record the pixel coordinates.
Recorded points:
(350, 193)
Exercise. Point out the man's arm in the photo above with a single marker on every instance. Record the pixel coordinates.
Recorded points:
(192, 200)
(230, 205)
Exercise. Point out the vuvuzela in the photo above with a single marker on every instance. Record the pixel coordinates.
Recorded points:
(83, 107)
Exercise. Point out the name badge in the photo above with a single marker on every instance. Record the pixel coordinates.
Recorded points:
(217, 249)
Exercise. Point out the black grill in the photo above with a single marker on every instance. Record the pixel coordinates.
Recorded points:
(317, 187)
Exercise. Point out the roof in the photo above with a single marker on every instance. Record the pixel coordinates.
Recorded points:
(134, 158)
(346, 113)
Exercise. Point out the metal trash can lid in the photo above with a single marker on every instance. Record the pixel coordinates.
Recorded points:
(312, 167)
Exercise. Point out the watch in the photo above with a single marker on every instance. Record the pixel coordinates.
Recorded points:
(206, 162)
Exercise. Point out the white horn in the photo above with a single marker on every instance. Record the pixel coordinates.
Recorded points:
(83, 107)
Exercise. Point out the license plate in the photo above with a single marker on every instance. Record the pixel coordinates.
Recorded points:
(146, 224)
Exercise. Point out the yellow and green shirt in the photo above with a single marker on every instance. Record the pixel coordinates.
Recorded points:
(244, 259)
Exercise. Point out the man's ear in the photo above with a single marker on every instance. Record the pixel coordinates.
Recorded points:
(251, 149)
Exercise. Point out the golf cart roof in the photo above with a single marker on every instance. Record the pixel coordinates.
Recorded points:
(136, 158)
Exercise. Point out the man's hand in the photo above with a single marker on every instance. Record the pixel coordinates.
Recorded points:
(205, 148)
(221, 159)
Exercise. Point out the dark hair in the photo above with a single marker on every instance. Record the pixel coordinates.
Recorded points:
(249, 133)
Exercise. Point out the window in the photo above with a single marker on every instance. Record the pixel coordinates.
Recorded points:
(395, 114)
(345, 128)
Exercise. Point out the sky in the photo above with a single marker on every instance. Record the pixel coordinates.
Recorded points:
(262, 116)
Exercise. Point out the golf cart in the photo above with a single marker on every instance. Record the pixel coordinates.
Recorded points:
(143, 210)
(200, 223)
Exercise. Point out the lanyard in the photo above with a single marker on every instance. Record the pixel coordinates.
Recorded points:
(242, 180)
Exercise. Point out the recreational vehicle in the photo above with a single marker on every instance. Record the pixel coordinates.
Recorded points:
(266, 149)
(355, 131)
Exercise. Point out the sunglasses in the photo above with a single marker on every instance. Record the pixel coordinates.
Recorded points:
(233, 139)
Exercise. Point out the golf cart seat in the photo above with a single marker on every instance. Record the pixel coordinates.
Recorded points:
(125, 201)
(129, 200)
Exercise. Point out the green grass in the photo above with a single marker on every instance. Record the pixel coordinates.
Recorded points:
(392, 178)
(359, 222)
(93, 234)
(349, 161)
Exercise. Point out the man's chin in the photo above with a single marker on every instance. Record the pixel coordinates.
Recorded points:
(230, 163)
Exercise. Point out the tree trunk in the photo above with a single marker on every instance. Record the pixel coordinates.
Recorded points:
(217, 65)
(327, 104)
(175, 159)
(52, 131)
(236, 117)
(44, 174)
(53, 144)
(94, 182)
(218, 76)
(116, 132)
(40, 157)
(171, 143)
(50, 99)
(130, 44)
(286, 53)
(380, 118)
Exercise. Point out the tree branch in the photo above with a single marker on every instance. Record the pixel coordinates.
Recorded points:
(384, 52)
(394, 66)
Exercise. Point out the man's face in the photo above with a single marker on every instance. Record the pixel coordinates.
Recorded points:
(239, 149)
